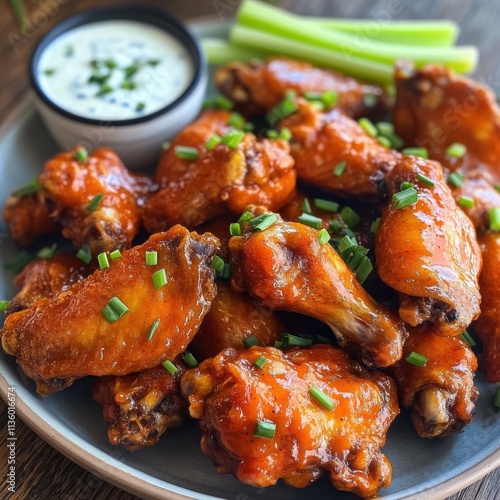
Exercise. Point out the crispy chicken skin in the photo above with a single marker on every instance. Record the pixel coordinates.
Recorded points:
(441, 394)
(488, 325)
(428, 252)
(258, 86)
(68, 337)
(225, 179)
(140, 407)
(286, 267)
(46, 278)
(322, 140)
(229, 395)
(27, 218)
(71, 185)
(232, 318)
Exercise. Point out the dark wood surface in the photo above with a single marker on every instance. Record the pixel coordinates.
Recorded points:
(42, 472)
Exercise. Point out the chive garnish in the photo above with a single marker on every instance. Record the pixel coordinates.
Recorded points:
(99, 78)
(217, 264)
(186, 152)
(272, 134)
(285, 134)
(326, 205)
(114, 310)
(335, 225)
(421, 152)
(81, 154)
(467, 338)
(245, 217)
(212, 142)
(232, 138)
(153, 328)
(364, 269)
(496, 399)
(236, 120)
(131, 70)
(30, 187)
(47, 252)
(323, 236)
(355, 256)
(151, 257)
(329, 98)
(219, 102)
(264, 429)
(375, 225)
(306, 206)
(405, 185)
(385, 128)
(405, 198)
(95, 202)
(18, 263)
(260, 361)
(425, 180)
(234, 229)
(140, 106)
(339, 168)
(115, 254)
(367, 125)
(128, 85)
(170, 367)
(494, 219)
(3, 305)
(350, 217)
(250, 341)
(310, 220)
(321, 397)
(416, 359)
(289, 339)
(262, 222)
(456, 179)
(384, 141)
(226, 272)
(84, 254)
(466, 202)
(110, 63)
(285, 108)
(190, 360)
(104, 89)
(159, 279)
(457, 150)
(103, 261)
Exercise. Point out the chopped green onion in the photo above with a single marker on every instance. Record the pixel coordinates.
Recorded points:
(250, 341)
(219, 102)
(84, 254)
(497, 187)
(382, 186)
(114, 310)
(215, 140)
(190, 360)
(260, 361)
(293, 340)
(226, 272)
(466, 202)
(375, 225)
(347, 243)
(47, 252)
(140, 106)
(306, 206)
(278, 344)
(236, 120)
(30, 188)
(405, 185)
(339, 168)
(245, 217)
(285, 108)
(385, 141)
(217, 264)
(421, 152)
(335, 226)
(104, 89)
(115, 254)
(425, 180)
(367, 125)
(18, 263)
(159, 279)
(234, 229)
(323, 236)
(457, 150)
(232, 138)
(272, 134)
(170, 367)
(3, 305)
(385, 128)
(81, 154)
(364, 269)
(103, 261)
(110, 315)
(248, 127)
(494, 218)
(405, 198)
(262, 222)
(329, 98)
(467, 338)
(153, 328)
(285, 134)
(416, 359)
(321, 397)
(496, 399)
(326, 205)
(94, 203)
(456, 179)
(265, 429)
(350, 217)
(186, 153)
(310, 220)
(128, 85)
(151, 257)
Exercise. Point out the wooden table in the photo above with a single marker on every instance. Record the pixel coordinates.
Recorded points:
(42, 472)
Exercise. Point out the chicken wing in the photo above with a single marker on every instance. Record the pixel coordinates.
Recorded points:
(428, 251)
(286, 267)
(441, 394)
(140, 407)
(100, 325)
(97, 201)
(258, 86)
(230, 395)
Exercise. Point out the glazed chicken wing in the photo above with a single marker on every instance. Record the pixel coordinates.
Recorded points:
(441, 394)
(230, 395)
(428, 252)
(100, 325)
(140, 407)
(286, 267)
(72, 185)
(258, 86)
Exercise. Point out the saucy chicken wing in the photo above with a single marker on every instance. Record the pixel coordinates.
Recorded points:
(230, 395)
(286, 267)
(96, 200)
(428, 251)
(100, 325)
(258, 86)
(441, 394)
(140, 407)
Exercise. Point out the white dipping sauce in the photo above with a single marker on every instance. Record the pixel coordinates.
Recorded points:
(115, 70)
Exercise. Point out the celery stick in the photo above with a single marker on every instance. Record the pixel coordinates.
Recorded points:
(438, 33)
(354, 66)
(263, 17)
(220, 51)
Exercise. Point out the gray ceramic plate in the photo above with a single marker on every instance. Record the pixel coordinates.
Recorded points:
(176, 468)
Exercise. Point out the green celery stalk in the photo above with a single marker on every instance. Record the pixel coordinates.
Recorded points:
(220, 51)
